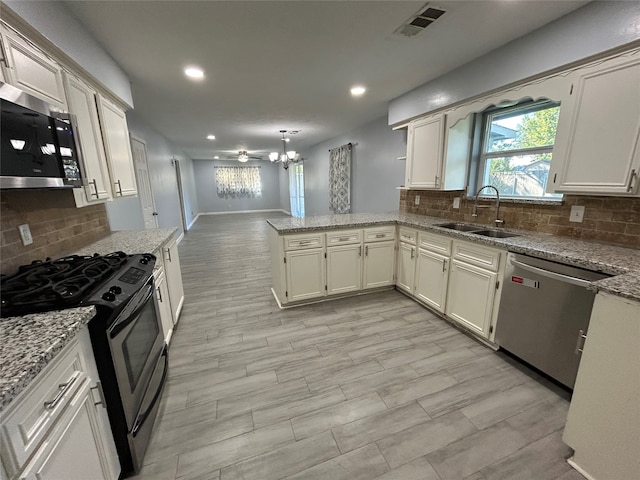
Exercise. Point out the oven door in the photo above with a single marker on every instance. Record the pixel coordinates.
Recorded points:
(136, 343)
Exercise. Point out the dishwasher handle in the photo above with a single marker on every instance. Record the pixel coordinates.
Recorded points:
(553, 275)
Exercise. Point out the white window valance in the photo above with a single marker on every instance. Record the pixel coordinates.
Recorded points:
(238, 180)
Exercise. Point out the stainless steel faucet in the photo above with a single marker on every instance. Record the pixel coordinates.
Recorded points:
(497, 221)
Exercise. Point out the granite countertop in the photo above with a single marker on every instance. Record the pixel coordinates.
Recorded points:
(623, 263)
(130, 241)
(30, 342)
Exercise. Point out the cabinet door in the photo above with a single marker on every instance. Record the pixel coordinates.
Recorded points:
(599, 131)
(32, 71)
(432, 273)
(378, 264)
(406, 267)
(344, 267)
(82, 103)
(163, 306)
(115, 135)
(173, 275)
(71, 452)
(470, 296)
(424, 152)
(305, 274)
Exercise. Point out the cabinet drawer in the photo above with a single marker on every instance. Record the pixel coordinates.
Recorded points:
(435, 243)
(26, 426)
(473, 254)
(344, 237)
(304, 240)
(379, 234)
(408, 235)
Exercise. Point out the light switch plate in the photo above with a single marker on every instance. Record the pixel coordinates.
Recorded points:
(417, 200)
(577, 214)
(25, 234)
(456, 202)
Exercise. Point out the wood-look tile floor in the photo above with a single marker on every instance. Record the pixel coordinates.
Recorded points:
(373, 386)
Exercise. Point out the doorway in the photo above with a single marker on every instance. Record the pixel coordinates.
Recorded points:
(296, 190)
(139, 153)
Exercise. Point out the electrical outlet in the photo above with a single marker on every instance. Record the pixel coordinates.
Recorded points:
(456, 202)
(25, 234)
(577, 214)
(417, 200)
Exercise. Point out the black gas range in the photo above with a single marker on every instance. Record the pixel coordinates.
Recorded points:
(126, 333)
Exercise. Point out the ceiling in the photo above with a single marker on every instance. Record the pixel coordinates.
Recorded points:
(272, 65)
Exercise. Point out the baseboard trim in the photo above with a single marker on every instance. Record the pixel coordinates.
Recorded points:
(179, 239)
(193, 222)
(579, 469)
(242, 211)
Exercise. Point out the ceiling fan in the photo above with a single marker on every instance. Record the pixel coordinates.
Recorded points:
(242, 156)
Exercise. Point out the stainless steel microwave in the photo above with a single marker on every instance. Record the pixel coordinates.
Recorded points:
(39, 145)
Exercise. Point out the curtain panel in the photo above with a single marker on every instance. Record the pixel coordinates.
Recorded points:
(340, 179)
(238, 180)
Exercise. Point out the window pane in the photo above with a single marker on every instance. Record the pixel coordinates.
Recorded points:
(522, 176)
(517, 129)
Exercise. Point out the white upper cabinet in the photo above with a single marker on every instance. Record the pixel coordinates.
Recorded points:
(31, 70)
(425, 143)
(115, 135)
(82, 103)
(596, 149)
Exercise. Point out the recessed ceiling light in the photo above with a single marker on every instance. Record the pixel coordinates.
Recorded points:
(216, 157)
(194, 72)
(358, 90)
(211, 137)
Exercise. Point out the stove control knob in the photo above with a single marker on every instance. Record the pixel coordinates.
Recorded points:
(144, 261)
(116, 290)
(109, 297)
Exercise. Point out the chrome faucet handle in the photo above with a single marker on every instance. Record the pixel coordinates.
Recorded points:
(497, 221)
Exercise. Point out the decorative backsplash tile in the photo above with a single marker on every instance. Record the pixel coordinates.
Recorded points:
(57, 226)
(613, 220)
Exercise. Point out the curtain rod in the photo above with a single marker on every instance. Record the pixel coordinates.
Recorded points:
(238, 166)
(346, 144)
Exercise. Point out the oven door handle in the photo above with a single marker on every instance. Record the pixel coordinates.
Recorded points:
(122, 324)
(141, 418)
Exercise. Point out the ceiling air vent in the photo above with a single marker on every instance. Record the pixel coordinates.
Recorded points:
(417, 23)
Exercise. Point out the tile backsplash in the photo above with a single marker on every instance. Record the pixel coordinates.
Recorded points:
(614, 220)
(57, 226)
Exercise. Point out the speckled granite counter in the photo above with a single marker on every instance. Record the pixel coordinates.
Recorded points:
(30, 342)
(622, 262)
(130, 241)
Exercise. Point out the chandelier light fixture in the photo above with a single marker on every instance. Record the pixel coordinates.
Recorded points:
(287, 156)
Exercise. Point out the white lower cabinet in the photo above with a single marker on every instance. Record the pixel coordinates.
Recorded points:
(173, 274)
(163, 306)
(406, 270)
(379, 264)
(344, 267)
(432, 273)
(305, 274)
(58, 427)
(471, 295)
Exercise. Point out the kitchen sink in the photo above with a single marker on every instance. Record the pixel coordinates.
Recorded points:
(461, 227)
(494, 233)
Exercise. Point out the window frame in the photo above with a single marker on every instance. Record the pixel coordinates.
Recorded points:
(483, 130)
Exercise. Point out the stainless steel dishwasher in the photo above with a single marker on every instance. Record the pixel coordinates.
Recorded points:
(544, 314)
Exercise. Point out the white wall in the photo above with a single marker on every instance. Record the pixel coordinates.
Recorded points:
(127, 213)
(285, 202)
(375, 169)
(60, 27)
(590, 30)
(210, 202)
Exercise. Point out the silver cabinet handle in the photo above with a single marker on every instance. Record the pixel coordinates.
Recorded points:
(63, 388)
(168, 254)
(366, 251)
(444, 264)
(381, 235)
(304, 242)
(100, 394)
(3, 51)
(159, 295)
(360, 251)
(95, 187)
(119, 187)
(412, 254)
(580, 343)
(343, 239)
(631, 177)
